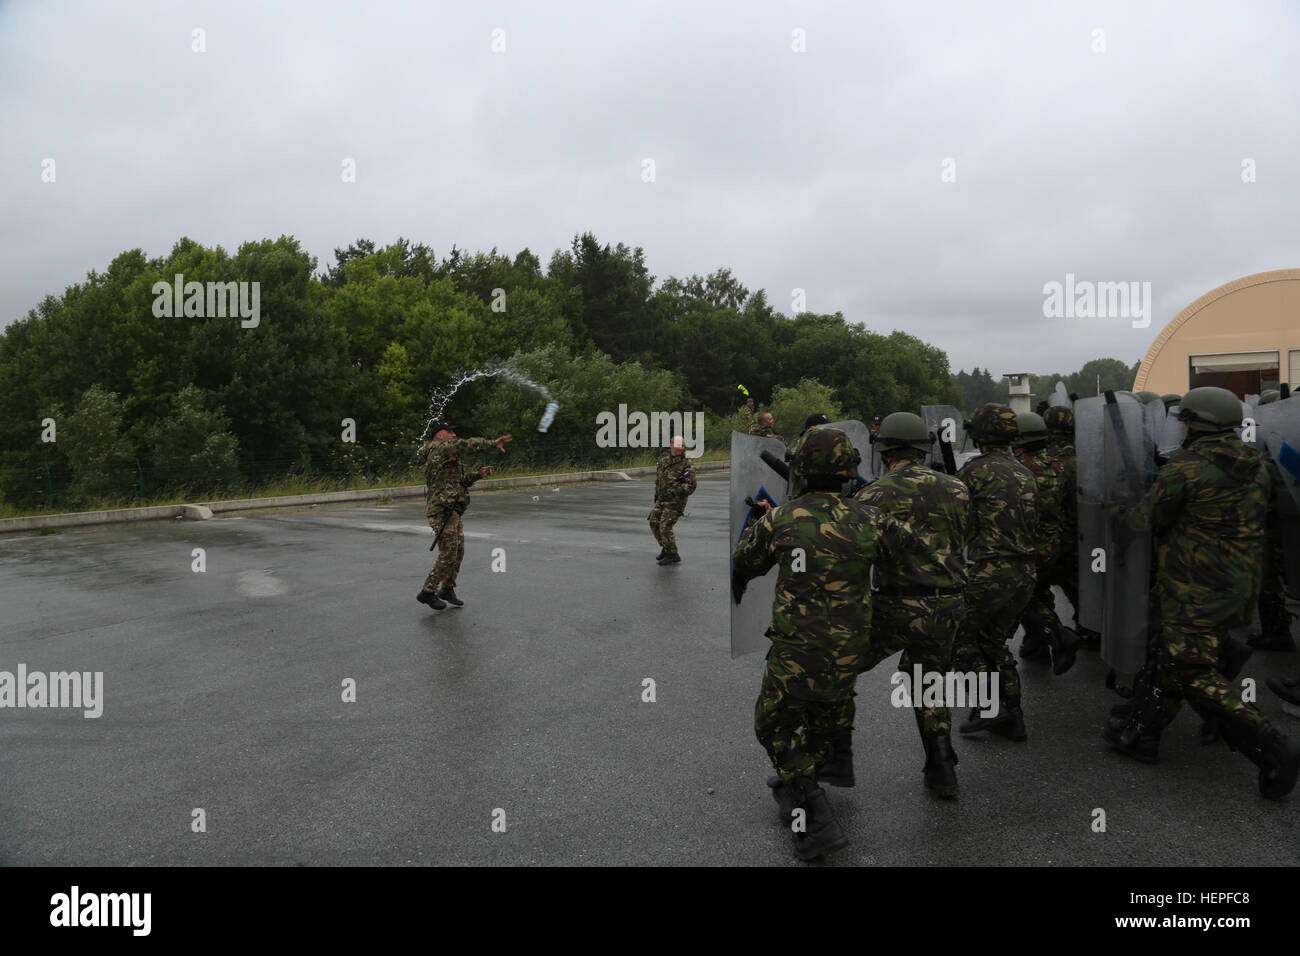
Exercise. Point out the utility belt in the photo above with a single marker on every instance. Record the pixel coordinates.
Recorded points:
(918, 592)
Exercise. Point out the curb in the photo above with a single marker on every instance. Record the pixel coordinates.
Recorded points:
(205, 510)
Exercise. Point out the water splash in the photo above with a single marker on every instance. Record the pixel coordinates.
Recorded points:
(441, 396)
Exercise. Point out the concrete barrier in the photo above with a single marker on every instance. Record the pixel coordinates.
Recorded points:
(205, 510)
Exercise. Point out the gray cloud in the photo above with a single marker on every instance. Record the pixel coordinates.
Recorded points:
(819, 170)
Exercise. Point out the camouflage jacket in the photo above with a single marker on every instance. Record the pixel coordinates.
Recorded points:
(936, 508)
(762, 431)
(674, 480)
(1063, 451)
(1004, 517)
(1049, 502)
(444, 473)
(1208, 507)
(825, 545)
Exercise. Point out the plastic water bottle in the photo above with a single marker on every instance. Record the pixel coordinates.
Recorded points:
(548, 416)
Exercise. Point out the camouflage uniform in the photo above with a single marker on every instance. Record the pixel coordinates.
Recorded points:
(1065, 573)
(674, 483)
(1000, 577)
(820, 619)
(1039, 617)
(1208, 507)
(763, 431)
(1274, 618)
(446, 497)
(918, 603)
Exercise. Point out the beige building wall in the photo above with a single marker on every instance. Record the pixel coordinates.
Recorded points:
(1258, 313)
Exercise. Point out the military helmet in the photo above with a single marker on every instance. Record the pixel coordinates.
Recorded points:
(1147, 397)
(826, 451)
(1031, 426)
(904, 430)
(1269, 395)
(1210, 409)
(1060, 419)
(994, 424)
(1170, 400)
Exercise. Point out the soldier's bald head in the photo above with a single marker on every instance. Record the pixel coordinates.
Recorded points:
(678, 445)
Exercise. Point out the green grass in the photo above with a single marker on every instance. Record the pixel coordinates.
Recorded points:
(300, 485)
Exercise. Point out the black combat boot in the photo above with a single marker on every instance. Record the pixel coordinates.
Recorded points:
(660, 555)
(672, 557)
(1089, 640)
(784, 797)
(1009, 721)
(822, 835)
(1124, 708)
(448, 594)
(1137, 735)
(838, 768)
(940, 765)
(429, 598)
(1033, 647)
(1288, 690)
(1064, 645)
(1275, 632)
(1276, 755)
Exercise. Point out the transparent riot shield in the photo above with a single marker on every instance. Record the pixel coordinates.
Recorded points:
(945, 422)
(1171, 434)
(752, 480)
(871, 467)
(1127, 474)
(1059, 396)
(1277, 430)
(1089, 451)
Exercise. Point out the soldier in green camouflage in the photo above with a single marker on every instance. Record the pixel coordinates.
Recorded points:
(1274, 618)
(674, 483)
(761, 424)
(1000, 576)
(1207, 508)
(825, 545)
(446, 497)
(1059, 420)
(917, 605)
(1044, 635)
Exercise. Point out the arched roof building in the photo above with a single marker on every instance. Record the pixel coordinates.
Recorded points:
(1243, 336)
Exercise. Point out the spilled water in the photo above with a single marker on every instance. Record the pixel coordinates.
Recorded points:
(441, 396)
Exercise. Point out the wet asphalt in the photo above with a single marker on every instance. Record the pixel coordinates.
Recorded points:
(223, 691)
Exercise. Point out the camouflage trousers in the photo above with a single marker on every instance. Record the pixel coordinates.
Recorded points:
(1040, 612)
(924, 629)
(997, 591)
(1273, 615)
(1065, 574)
(451, 550)
(1189, 670)
(662, 519)
(797, 708)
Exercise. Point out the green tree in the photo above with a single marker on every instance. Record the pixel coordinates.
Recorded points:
(90, 439)
(192, 447)
(792, 406)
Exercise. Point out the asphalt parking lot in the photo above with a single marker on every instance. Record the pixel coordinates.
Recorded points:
(223, 691)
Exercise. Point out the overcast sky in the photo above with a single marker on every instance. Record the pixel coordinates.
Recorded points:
(820, 170)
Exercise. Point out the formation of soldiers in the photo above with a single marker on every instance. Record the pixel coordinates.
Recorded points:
(946, 568)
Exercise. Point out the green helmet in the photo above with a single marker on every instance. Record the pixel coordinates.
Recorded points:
(1269, 395)
(1032, 427)
(826, 451)
(1170, 400)
(1059, 419)
(994, 424)
(1146, 397)
(1210, 409)
(904, 430)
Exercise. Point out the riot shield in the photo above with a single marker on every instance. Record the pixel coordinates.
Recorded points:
(1277, 429)
(944, 422)
(1092, 522)
(1154, 417)
(1127, 473)
(1170, 437)
(754, 479)
(872, 467)
(1059, 396)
